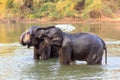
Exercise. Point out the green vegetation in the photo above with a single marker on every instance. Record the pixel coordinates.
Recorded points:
(57, 9)
(9, 4)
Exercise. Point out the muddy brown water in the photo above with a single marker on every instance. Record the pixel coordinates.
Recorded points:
(16, 61)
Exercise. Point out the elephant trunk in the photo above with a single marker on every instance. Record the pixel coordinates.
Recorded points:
(25, 38)
(21, 38)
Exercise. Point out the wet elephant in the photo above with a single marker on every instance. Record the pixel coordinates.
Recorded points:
(41, 49)
(79, 46)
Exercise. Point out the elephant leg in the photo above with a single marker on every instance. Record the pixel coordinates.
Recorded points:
(91, 58)
(99, 61)
(46, 51)
(65, 55)
(43, 56)
(100, 58)
(54, 51)
(36, 54)
(95, 58)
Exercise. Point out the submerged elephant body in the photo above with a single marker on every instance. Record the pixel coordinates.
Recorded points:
(80, 46)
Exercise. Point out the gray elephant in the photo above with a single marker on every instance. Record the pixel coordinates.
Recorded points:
(41, 49)
(79, 46)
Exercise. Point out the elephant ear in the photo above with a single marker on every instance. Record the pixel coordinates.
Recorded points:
(54, 36)
(38, 32)
(41, 31)
(51, 34)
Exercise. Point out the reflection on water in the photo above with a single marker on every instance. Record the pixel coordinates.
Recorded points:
(104, 30)
(16, 61)
(11, 32)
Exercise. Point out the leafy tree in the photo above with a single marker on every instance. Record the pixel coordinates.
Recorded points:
(9, 4)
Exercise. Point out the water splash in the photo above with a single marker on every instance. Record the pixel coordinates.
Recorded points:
(65, 27)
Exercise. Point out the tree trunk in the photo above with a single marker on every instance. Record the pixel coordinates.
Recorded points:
(26, 7)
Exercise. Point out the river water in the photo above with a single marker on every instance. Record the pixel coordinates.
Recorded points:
(16, 61)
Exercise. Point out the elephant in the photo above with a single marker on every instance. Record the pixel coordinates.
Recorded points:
(84, 46)
(41, 48)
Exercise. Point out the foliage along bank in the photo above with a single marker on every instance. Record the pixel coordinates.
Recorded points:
(59, 9)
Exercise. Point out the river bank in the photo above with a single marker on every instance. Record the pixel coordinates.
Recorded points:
(65, 20)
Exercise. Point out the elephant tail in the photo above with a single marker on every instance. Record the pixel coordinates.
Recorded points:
(105, 48)
(105, 54)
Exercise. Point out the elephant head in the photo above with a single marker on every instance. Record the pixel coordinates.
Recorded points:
(28, 38)
(35, 35)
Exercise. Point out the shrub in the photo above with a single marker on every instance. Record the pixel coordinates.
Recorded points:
(45, 10)
(92, 7)
(9, 4)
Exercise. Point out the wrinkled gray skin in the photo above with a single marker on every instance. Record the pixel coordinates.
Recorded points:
(41, 49)
(80, 46)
